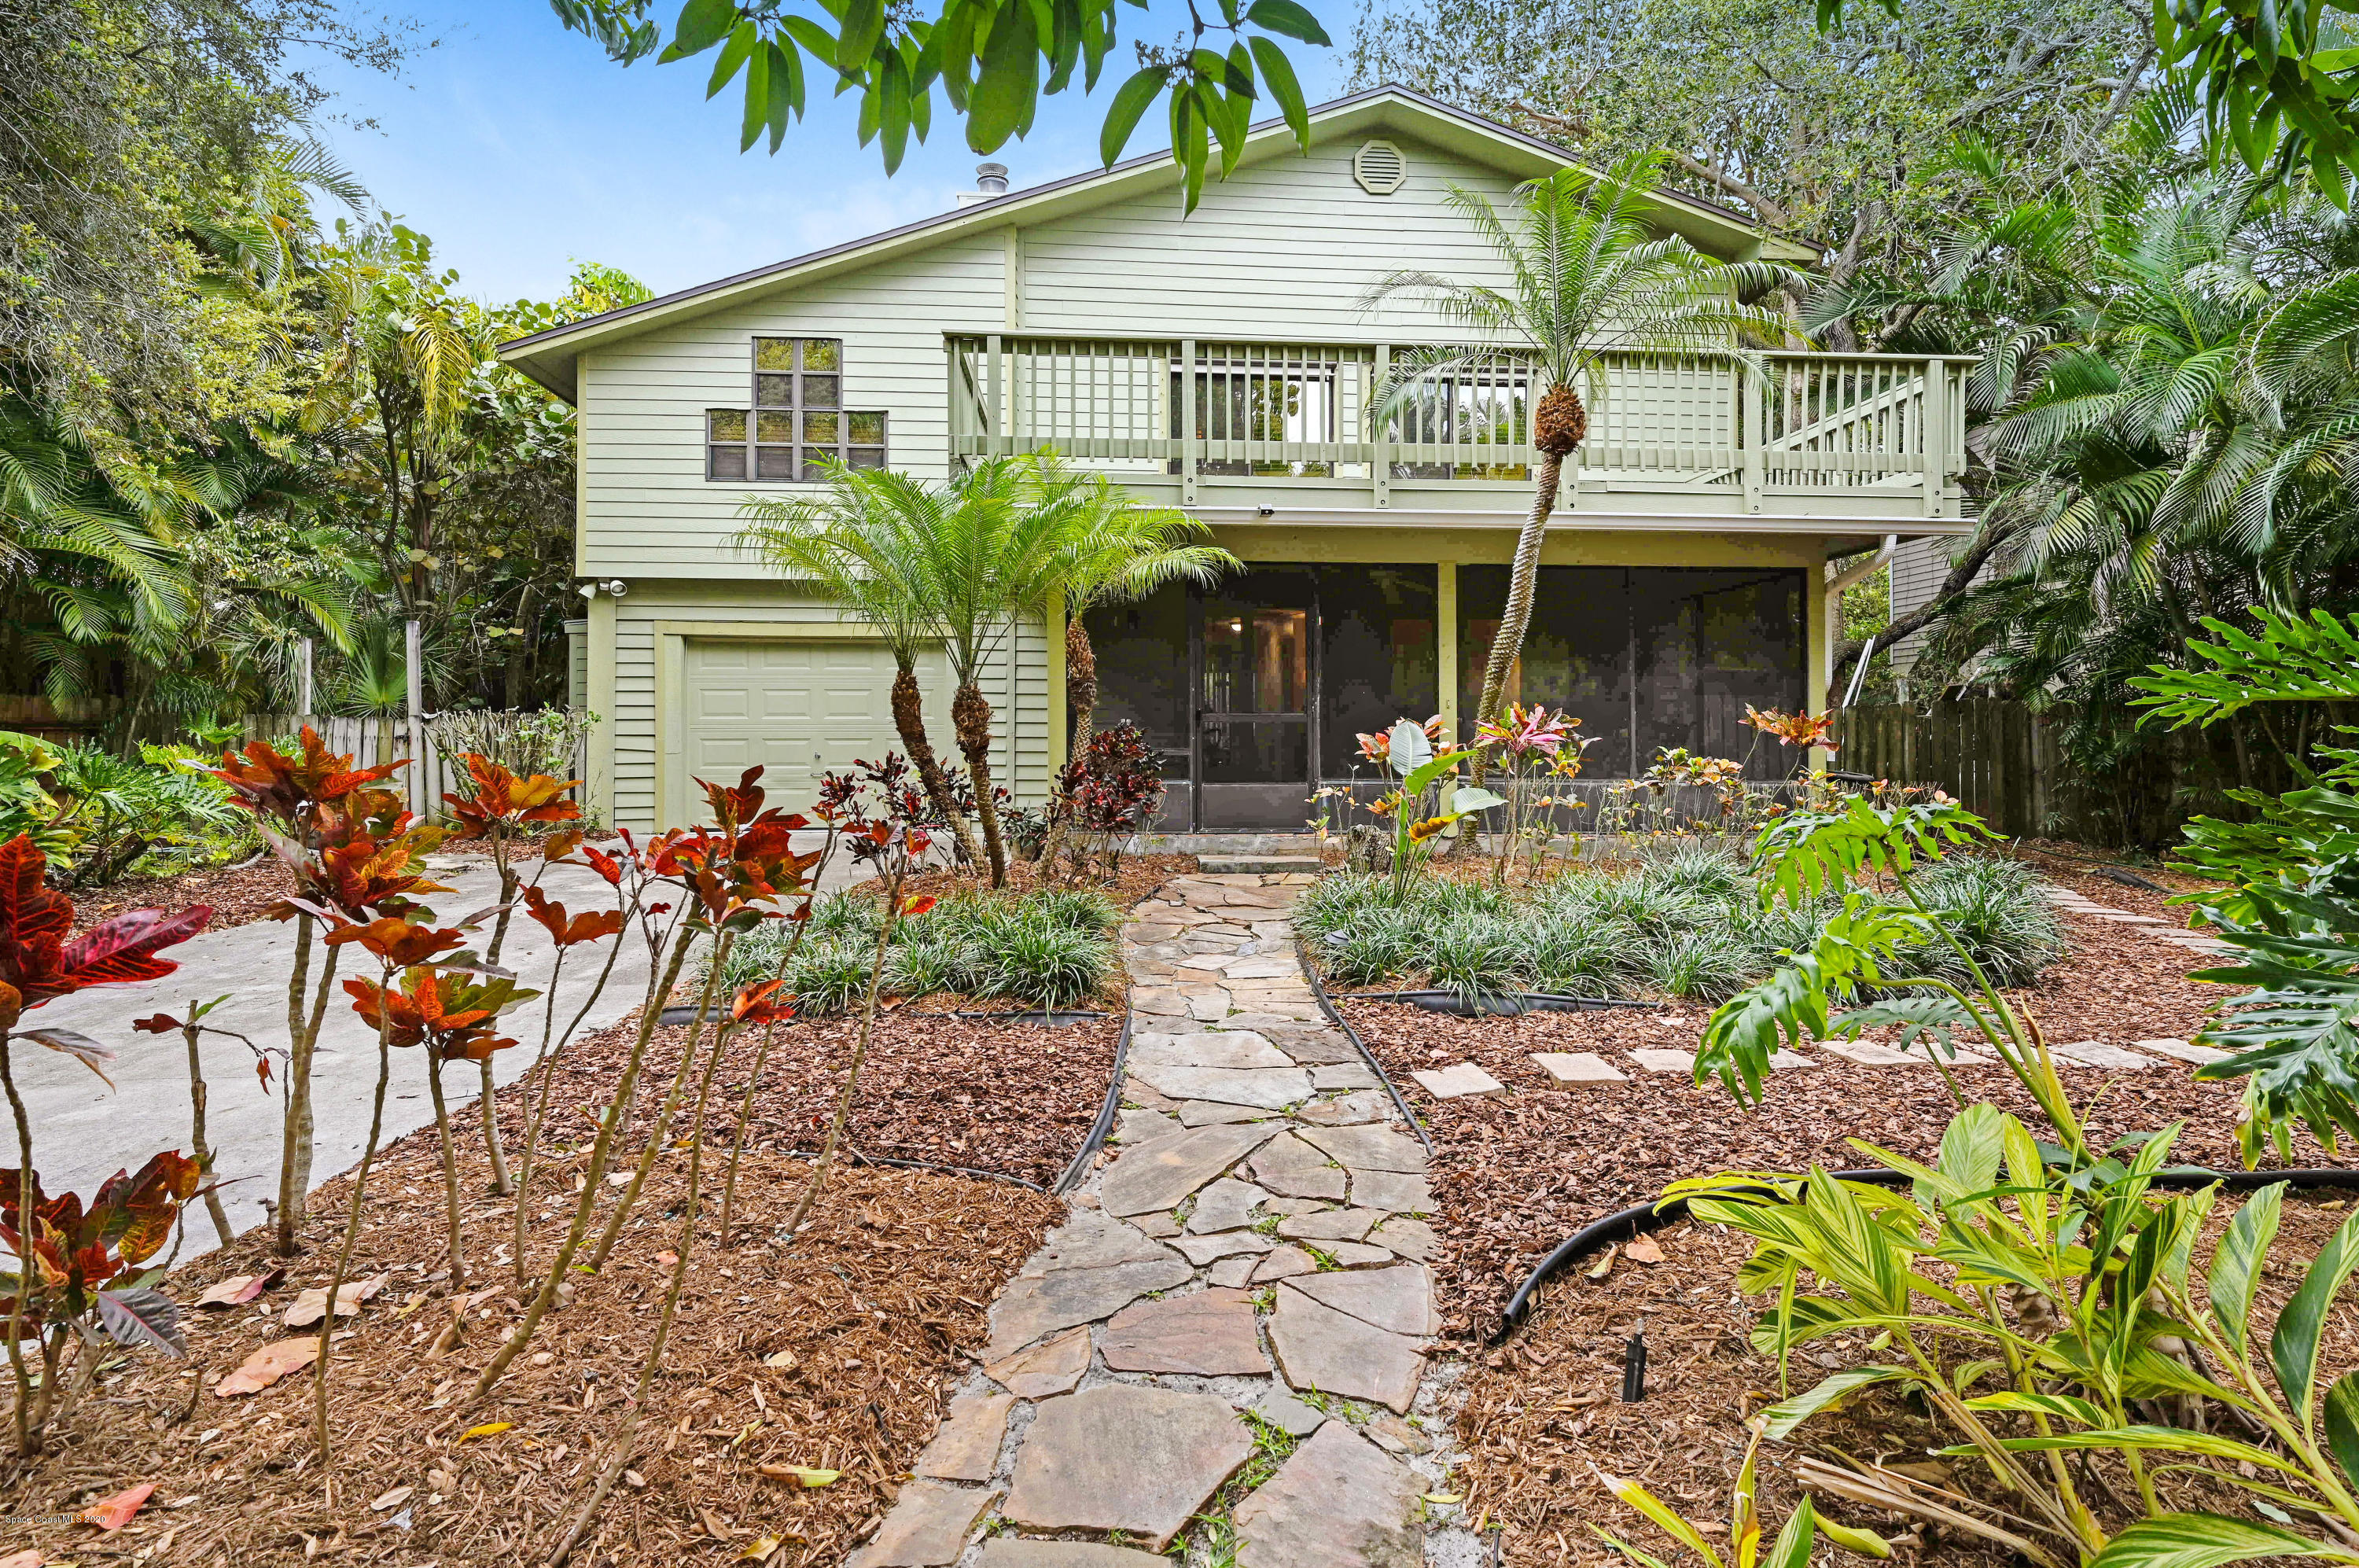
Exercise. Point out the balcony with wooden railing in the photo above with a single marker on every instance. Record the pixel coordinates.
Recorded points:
(1791, 439)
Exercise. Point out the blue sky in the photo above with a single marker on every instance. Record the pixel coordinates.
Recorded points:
(517, 145)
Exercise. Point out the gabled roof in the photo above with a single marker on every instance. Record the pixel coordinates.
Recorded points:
(548, 357)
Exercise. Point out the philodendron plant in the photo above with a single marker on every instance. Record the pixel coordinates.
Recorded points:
(1872, 945)
(1415, 805)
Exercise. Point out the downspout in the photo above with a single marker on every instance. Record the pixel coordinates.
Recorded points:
(1834, 592)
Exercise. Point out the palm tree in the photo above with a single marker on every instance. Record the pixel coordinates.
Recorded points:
(1113, 550)
(1588, 282)
(860, 545)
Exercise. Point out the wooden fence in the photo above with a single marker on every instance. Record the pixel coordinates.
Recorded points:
(424, 782)
(1992, 755)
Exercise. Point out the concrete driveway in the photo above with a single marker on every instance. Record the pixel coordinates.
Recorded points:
(83, 1132)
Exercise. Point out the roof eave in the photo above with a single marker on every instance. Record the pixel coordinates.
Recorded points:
(549, 357)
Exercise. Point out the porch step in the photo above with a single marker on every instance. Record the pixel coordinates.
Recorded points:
(1264, 865)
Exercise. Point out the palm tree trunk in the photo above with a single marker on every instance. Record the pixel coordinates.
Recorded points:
(909, 720)
(1507, 642)
(1081, 699)
(972, 716)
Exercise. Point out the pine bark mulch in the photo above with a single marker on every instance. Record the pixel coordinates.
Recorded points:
(238, 896)
(830, 1354)
(1136, 878)
(1012, 1098)
(1515, 1174)
(1542, 1413)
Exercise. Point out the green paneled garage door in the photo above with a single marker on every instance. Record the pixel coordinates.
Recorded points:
(800, 707)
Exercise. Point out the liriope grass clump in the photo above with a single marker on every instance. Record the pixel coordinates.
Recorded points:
(1048, 949)
(1683, 924)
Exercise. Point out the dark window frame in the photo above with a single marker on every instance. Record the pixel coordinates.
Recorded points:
(795, 416)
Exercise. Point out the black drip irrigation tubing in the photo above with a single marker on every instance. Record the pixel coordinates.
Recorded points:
(1327, 1005)
(856, 1158)
(1104, 1124)
(1639, 1218)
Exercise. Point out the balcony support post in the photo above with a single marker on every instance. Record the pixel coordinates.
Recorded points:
(1934, 438)
(1190, 433)
(1380, 459)
(1755, 467)
(995, 443)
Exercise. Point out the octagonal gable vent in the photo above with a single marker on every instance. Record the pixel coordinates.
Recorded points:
(1379, 167)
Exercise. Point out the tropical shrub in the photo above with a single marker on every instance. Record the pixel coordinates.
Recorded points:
(2047, 1313)
(1111, 790)
(1685, 920)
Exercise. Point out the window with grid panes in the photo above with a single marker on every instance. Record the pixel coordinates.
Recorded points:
(797, 417)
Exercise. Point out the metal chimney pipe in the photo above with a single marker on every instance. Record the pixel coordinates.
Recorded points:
(990, 178)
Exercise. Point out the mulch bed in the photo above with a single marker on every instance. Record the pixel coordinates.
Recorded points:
(831, 1353)
(2076, 867)
(1518, 1174)
(237, 896)
(1137, 877)
(1539, 1413)
(1007, 1097)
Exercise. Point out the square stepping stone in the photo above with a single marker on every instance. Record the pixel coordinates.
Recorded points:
(967, 1446)
(1154, 1176)
(1664, 1061)
(1577, 1067)
(1051, 1367)
(1394, 1190)
(1208, 1335)
(1368, 1148)
(1788, 1061)
(1139, 1460)
(1337, 1500)
(2097, 1053)
(1320, 1347)
(1867, 1053)
(926, 1527)
(2181, 1050)
(1289, 1166)
(1459, 1080)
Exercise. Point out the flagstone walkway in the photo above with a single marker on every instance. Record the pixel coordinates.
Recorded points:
(1239, 1299)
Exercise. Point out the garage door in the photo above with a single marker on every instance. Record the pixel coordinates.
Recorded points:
(798, 708)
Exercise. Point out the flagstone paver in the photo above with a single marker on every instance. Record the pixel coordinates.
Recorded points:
(1578, 1067)
(1126, 1457)
(1210, 1334)
(966, 1448)
(1338, 1502)
(1122, 1352)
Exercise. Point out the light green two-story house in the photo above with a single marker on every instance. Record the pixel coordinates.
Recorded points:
(1221, 362)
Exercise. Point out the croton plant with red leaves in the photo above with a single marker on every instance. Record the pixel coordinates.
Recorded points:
(350, 844)
(39, 962)
(77, 1252)
(448, 1012)
(500, 801)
